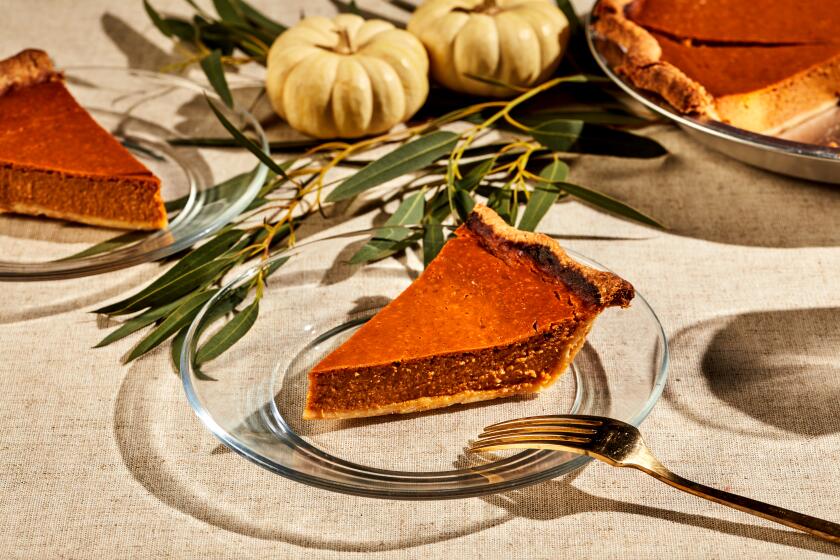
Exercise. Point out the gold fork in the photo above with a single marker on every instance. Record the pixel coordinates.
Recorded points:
(621, 445)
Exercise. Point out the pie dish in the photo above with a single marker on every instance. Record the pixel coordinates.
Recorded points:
(499, 312)
(252, 397)
(712, 60)
(57, 161)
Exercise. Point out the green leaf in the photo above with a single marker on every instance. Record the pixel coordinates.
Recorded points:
(382, 247)
(245, 142)
(558, 135)
(463, 202)
(215, 72)
(190, 272)
(407, 158)
(608, 203)
(220, 309)
(176, 347)
(543, 195)
(410, 211)
(500, 201)
(229, 334)
(433, 240)
(258, 18)
(157, 20)
(172, 324)
(182, 29)
(229, 13)
(136, 323)
(109, 245)
(474, 176)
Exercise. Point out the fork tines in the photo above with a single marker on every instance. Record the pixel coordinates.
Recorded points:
(540, 432)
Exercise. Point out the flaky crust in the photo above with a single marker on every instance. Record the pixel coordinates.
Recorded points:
(641, 61)
(28, 67)
(596, 287)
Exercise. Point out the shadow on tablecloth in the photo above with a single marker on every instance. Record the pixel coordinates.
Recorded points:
(772, 374)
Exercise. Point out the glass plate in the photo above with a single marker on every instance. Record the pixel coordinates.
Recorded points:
(252, 396)
(145, 111)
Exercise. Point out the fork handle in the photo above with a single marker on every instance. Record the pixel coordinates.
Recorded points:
(813, 525)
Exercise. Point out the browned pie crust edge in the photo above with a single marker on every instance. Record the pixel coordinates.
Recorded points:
(26, 68)
(641, 61)
(595, 287)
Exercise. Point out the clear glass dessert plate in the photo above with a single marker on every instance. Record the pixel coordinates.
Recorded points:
(808, 150)
(149, 113)
(252, 396)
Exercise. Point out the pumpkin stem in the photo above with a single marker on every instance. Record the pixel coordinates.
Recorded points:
(489, 7)
(345, 43)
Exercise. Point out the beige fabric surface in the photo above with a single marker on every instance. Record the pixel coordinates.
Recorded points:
(103, 460)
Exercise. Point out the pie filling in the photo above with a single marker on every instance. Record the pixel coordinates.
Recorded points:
(497, 313)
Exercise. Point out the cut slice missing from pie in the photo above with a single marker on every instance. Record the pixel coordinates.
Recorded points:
(499, 312)
(56, 161)
(760, 65)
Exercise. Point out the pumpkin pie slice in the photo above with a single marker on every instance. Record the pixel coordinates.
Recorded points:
(760, 65)
(56, 161)
(499, 312)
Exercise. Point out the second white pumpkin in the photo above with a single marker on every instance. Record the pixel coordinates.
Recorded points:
(517, 42)
(346, 77)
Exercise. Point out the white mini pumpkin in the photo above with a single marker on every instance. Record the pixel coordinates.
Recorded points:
(346, 77)
(517, 42)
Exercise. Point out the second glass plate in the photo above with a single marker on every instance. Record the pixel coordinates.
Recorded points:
(149, 113)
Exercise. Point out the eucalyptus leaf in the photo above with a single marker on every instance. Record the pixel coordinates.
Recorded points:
(558, 135)
(464, 203)
(157, 20)
(215, 72)
(211, 142)
(229, 334)
(380, 248)
(182, 29)
(109, 245)
(473, 177)
(410, 157)
(172, 324)
(221, 308)
(544, 195)
(258, 18)
(500, 202)
(191, 271)
(410, 211)
(433, 240)
(608, 203)
(229, 12)
(245, 142)
(136, 323)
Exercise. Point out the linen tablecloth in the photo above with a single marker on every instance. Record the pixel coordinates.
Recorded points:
(103, 460)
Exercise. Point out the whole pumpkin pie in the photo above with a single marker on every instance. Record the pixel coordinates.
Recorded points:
(760, 65)
(499, 312)
(56, 161)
